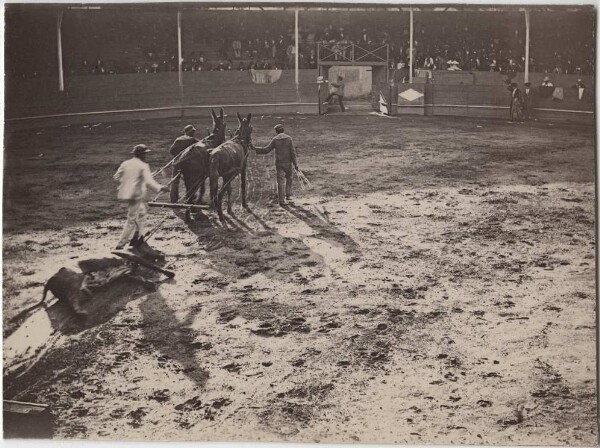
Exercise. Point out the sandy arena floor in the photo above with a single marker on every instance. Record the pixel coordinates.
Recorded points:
(435, 286)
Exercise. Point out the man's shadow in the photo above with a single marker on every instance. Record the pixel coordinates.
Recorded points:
(324, 228)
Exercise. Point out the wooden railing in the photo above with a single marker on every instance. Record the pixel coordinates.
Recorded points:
(350, 53)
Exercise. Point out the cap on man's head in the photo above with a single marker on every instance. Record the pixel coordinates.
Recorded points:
(278, 127)
(527, 84)
(546, 79)
(140, 149)
(188, 128)
(340, 77)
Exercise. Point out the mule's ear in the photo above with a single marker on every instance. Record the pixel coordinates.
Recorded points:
(222, 113)
(213, 115)
(239, 117)
(249, 117)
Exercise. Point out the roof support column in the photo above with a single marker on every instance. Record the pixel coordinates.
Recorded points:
(527, 24)
(61, 76)
(410, 63)
(296, 45)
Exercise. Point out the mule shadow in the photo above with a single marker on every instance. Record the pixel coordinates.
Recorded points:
(249, 242)
(174, 339)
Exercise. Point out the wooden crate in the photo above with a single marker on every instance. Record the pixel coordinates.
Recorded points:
(27, 420)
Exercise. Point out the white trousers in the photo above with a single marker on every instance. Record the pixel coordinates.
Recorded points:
(136, 217)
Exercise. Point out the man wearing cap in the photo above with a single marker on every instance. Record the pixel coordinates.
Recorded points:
(580, 86)
(527, 101)
(285, 158)
(134, 179)
(180, 144)
(336, 89)
(516, 107)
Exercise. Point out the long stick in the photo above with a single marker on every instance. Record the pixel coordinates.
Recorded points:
(164, 167)
(175, 205)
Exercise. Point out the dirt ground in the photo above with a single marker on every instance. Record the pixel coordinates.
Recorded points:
(435, 286)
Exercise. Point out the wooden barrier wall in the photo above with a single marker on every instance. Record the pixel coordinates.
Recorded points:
(40, 96)
(494, 100)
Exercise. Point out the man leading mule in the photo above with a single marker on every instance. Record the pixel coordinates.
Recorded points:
(194, 161)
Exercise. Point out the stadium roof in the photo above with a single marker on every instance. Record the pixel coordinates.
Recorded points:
(333, 5)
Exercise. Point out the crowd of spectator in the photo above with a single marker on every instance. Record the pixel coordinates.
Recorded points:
(442, 45)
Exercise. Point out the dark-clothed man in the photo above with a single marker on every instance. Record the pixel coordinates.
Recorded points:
(527, 101)
(336, 89)
(180, 144)
(285, 158)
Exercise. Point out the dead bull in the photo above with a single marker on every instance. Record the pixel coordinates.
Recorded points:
(65, 285)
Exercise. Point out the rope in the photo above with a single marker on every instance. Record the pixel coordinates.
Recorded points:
(193, 190)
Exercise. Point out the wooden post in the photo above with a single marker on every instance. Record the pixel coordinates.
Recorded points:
(410, 66)
(527, 23)
(179, 47)
(61, 78)
(297, 45)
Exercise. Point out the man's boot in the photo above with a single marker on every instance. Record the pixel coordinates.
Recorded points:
(281, 194)
(134, 239)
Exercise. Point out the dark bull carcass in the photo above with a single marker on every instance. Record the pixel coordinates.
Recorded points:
(193, 162)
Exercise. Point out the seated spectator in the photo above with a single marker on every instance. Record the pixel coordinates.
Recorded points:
(312, 60)
(237, 49)
(291, 54)
(429, 64)
(273, 54)
(453, 65)
(364, 37)
(547, 83)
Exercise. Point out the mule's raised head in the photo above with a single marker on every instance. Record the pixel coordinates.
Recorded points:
(244, 131)
(219, 125)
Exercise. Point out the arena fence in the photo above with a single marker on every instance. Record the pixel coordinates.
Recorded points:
(158, 94)
(31, 102)
(562, 102)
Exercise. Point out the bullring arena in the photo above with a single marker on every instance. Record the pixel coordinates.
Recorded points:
(433, 285)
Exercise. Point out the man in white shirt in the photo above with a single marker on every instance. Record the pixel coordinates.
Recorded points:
(134, 179)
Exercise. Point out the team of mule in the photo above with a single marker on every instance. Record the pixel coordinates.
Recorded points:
(213, 158)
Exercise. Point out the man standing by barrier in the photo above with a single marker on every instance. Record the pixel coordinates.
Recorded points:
(516, 106)
(336, 89)
(527, 101)
(181, 143)
(285, 158)
(134, 178)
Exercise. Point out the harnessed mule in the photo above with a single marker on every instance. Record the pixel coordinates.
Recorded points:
(227, 161)
(193, 162)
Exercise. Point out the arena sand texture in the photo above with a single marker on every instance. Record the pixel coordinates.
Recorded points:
(435, 286)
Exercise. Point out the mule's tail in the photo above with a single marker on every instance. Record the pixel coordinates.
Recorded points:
(26, 311)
